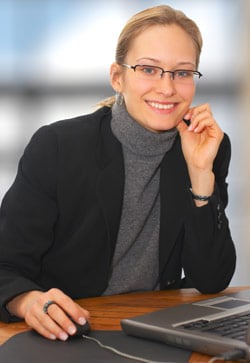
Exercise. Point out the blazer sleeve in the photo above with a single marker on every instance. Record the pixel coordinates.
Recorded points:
(209, 256)
(27, 217)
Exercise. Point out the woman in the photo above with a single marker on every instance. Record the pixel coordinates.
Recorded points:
(128, 198)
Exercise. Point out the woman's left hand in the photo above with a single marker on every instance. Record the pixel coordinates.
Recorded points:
(200, 143)
(201, 139)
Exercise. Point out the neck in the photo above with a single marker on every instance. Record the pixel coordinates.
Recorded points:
(136, 137)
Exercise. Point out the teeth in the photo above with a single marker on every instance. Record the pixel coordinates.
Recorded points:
(161, 106)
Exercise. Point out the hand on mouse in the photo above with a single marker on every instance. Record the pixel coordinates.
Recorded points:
(48, 313)
(81, 329)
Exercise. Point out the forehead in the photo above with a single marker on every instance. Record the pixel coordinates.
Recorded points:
(165, 43)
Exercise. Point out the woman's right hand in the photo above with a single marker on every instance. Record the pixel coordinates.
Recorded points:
(55, 324)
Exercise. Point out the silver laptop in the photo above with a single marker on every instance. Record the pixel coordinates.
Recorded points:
(214, 326)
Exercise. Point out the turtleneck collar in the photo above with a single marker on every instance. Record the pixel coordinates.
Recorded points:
(137, 138)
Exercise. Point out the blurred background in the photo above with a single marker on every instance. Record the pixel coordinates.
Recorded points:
(54, 64)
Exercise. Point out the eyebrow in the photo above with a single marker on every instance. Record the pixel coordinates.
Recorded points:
(180, 64)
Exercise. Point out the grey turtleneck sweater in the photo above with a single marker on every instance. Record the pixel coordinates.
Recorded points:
(135, 261)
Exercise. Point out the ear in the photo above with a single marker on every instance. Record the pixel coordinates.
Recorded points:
(116, 77)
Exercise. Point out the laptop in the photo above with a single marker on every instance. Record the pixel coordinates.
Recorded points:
(213, 326)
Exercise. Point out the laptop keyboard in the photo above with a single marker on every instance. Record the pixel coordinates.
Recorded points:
(234, 326)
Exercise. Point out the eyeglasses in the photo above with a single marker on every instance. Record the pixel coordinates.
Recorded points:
(154, 73)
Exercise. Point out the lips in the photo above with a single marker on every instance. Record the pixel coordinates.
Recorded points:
(162, 106)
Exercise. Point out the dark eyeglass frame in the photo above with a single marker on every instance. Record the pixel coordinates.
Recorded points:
(172, 73)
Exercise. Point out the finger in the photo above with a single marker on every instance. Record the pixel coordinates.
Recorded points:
(40, 319)
(206, 122)
(202, 120)
(199, 109)
(196, 114)
(68, 305)
(45, 326)
(59, 323)
(40, 329)
(203, 123)
(65, 321)
(51, 319)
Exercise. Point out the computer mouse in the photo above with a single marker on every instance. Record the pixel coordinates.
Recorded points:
(80, 329)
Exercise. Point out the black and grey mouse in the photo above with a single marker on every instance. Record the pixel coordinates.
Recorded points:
(80, 329)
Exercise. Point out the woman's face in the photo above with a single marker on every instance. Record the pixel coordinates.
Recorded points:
(158, 104)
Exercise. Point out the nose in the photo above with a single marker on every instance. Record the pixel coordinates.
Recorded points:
(166, 84)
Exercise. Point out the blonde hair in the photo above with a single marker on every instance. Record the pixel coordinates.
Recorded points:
(158, 15)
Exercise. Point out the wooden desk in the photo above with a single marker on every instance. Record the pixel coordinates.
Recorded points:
(106, 312)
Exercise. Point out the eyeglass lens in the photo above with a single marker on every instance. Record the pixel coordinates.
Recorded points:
(146, 72)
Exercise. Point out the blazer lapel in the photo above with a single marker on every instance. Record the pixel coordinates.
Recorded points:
(175, 199)
(110, 181)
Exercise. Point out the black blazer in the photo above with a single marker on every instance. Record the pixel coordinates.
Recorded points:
(60, 218)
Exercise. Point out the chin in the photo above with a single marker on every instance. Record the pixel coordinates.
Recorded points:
(162, 128)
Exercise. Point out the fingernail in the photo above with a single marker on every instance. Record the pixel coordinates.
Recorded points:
(63, 336)
(72, 329)
(52, 337)
(82, 321)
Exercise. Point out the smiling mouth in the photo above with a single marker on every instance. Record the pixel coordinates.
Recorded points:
(161, 106)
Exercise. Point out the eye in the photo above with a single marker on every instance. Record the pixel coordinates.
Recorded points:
(148, 70)
(183, 74)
